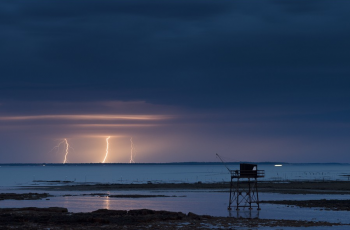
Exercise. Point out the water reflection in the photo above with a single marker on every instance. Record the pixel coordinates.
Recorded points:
(245, 213)
(66, 201)
(199, 202)
(106, 202)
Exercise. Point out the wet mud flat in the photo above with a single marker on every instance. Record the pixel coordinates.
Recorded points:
(122, 195)
(39, 196)
(306, 187)
(23, 196)
(289, 187)
(60, 218)
(323, 204)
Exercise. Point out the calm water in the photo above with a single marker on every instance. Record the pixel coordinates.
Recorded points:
(14, 175)
(215, 203)
(200, 202)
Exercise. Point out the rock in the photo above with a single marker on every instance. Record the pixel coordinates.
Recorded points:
(166, 215)
(193, 216)
(100, 220)
(57, 218)
(138, 212)
(111, 212)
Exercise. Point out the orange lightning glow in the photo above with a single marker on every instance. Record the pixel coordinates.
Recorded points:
(86, 117)
(132, 148)
(106, 149)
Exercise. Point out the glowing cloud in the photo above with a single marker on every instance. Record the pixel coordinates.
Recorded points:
(131, 149)
(106, 149)
(86, 117)
(115, 125)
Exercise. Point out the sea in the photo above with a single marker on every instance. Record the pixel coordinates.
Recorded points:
(23, 178)
(190, 172)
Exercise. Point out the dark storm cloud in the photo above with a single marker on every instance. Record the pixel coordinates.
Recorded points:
(207, 52)
(268, 80)
(290, 58)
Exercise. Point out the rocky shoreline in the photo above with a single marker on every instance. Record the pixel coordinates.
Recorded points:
(60, 218)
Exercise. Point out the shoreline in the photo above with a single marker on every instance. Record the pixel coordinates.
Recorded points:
(293, 187)
(60, 218)
(55, 218)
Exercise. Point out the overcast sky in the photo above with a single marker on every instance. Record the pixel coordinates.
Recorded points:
(250, 80)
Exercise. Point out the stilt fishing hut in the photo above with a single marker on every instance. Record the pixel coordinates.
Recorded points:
(244, 186)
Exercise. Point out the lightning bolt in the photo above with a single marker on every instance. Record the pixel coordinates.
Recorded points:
(131, 149)
(67, 148)
(64, 141)
(106, 149)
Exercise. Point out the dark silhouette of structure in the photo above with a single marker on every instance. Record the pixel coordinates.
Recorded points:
(244, 191)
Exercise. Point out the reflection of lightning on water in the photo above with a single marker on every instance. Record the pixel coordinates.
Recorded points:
(106, 149)
(64, 141)
(132, 148)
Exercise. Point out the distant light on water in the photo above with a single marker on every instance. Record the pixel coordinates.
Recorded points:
(278, 165)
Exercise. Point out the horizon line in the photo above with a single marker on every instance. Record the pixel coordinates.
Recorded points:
(184, 162)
